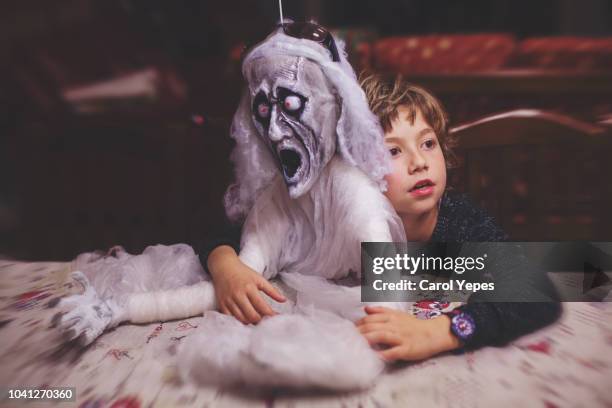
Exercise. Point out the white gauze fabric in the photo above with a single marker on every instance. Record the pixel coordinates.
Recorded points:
(118, 274)
(307, 348)
(313, 343)
(321, 232)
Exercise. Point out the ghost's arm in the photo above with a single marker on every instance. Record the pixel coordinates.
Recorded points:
(264, 231)
(372, 218)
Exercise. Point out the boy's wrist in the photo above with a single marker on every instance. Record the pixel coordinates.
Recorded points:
(221, 258)
(447, 340)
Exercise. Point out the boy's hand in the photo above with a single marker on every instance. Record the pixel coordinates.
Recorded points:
(237, 287)
(407, 337)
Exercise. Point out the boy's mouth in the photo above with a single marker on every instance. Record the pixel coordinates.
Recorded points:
(421, 185)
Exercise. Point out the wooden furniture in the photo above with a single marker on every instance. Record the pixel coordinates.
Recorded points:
(544, 176)
(469, 96)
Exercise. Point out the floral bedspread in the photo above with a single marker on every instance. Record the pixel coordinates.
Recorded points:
(567, 364)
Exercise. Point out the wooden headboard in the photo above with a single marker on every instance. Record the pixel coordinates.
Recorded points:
(543, 175)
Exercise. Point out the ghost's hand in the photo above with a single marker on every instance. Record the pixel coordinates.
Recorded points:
(404, 337)
(237, 287)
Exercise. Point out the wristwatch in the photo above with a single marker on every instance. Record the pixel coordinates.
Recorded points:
(462, 325)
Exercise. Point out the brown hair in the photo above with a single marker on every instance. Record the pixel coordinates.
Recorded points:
(385, 96)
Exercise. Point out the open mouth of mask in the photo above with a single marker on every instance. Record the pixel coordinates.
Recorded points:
(290, 162)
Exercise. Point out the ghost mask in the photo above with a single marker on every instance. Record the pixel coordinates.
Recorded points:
(295, 113)
(301, 106)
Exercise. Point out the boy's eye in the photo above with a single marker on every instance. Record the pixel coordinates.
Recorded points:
(429, 144)
(394, 151)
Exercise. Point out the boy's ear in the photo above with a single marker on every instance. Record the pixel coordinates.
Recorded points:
(254, 166)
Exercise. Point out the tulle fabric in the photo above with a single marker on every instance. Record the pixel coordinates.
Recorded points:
(313, 244)
(312, 342)
(117, 273)
(321, 232)
(305, 347)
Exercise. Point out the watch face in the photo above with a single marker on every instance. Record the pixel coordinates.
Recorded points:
(463, 325)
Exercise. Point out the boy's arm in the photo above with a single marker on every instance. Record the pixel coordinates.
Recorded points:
(498, 323)
(524, 300)
(498, 320)
(237, 286)
(228, 235)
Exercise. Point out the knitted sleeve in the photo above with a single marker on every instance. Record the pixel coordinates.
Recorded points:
(227, 235)
(498, 323)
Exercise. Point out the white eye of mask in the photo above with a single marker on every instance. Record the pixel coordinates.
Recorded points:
(292, 103)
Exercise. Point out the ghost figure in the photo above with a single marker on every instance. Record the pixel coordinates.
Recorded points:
(309, 163)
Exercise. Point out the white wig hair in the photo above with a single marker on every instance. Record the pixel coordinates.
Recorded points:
(359, 134)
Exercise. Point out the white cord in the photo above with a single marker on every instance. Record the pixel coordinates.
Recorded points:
(280, 10)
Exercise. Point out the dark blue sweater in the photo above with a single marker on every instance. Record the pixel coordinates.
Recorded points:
(497, 323)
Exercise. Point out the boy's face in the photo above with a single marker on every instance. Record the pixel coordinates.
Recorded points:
(418, 179)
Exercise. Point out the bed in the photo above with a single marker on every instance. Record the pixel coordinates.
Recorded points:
(566, 364)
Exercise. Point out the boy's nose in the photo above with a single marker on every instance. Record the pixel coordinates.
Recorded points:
(417, 163)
